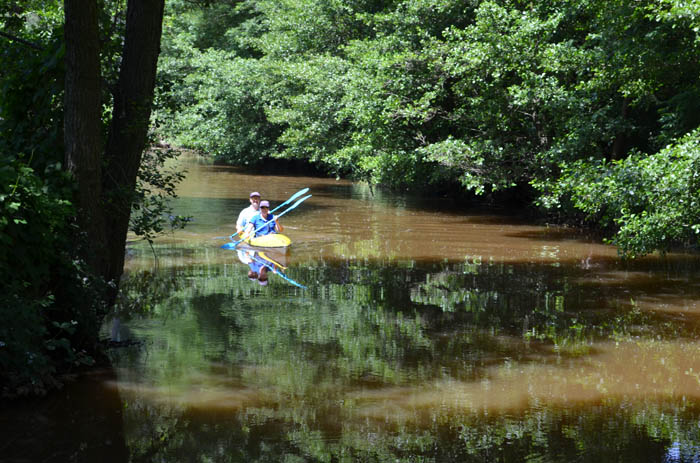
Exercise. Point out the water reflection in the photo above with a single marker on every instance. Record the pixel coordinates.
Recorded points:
(257, 267)
(407, 360)
(424, 334)
(261, 264)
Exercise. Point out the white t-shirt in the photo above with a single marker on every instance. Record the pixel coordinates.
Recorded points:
(244, 257)
(245, 216)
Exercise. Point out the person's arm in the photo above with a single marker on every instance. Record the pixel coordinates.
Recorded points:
(249, 230)
(278, 226)
(240, 222)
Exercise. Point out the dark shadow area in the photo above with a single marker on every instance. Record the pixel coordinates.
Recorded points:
(286, 167)
(81, 423)
(429, 199)
(553, 234)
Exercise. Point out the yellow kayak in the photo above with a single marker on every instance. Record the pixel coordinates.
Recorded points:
(277, 257)
(273, 240)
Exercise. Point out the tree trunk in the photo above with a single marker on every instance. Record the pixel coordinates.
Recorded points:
(82, 124)
(130, 121)
(106, 179)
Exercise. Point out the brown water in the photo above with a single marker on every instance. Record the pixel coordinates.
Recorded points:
(428, 332)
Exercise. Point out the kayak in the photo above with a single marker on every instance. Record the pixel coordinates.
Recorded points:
(275, 257)
(271, 241)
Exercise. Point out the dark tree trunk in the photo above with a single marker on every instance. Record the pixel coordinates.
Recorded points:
(107, 178)
(82, 125)
(130, 121)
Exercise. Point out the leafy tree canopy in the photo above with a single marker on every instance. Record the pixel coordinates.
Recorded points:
(488, 96)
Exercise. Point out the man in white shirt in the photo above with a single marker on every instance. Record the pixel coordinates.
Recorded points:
(248, 213)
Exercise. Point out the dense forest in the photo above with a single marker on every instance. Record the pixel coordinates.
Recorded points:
(586, 110)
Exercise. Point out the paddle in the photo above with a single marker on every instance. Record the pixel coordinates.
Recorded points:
(273, 261)
(236, 243)
(266, 264)
(224, 237)
(291, 198)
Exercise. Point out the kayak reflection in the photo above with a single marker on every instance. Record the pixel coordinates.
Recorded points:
(261, 263)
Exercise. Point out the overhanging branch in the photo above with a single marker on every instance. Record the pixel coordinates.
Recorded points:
(20, 40)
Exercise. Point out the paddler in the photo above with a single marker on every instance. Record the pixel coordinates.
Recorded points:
(262, 276)
(248, 213)
(245, 257)
(258, 269)
(264, 222)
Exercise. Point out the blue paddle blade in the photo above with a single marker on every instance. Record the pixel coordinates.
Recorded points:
(291, 198)
(290, 280)
(278, 273)
(229, 246)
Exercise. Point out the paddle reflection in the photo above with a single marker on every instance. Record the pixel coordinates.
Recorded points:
(263, 263)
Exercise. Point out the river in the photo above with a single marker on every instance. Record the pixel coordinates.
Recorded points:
(426, 331)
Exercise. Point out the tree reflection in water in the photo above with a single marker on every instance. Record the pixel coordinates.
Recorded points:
(408, 361)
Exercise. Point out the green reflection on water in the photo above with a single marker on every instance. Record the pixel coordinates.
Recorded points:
(398, 361)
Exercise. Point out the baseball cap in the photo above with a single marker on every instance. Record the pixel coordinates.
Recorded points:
(255, 193)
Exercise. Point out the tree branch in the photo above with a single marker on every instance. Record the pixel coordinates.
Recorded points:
(22, 41)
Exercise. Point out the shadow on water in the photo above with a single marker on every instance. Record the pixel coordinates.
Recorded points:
(83, 422)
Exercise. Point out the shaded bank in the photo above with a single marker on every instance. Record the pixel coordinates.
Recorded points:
(81, 422)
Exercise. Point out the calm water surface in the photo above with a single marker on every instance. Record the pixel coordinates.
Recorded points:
(427, 333)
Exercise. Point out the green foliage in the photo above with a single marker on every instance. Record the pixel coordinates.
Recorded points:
(51, 306)
(308, 111)
(155, 187)
(229, 25)
(49, 317)
(489, 95)
(218, 107)
(295, 29)
(651, 201)
(31, 118)
(32, 20)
